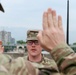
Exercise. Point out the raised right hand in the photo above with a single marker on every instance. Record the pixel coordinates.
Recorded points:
(52, 33)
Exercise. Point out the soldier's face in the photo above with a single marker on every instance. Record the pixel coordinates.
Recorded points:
(34, 48)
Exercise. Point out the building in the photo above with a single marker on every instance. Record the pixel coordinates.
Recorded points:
(6, 38)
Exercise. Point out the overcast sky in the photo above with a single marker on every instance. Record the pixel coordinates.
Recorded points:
(21, 15)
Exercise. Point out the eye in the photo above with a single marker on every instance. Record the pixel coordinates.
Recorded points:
(29, 41)
(36, 41)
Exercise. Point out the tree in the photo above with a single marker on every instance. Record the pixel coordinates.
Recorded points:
(21, 42)
(74, 43)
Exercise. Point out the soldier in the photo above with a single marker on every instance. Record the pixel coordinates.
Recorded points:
(10, 66)
(34, 53)
(52, 39)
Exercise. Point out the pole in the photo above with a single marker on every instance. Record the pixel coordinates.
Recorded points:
(67, 40)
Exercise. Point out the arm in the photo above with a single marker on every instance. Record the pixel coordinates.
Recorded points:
(65, 58)
(52, 39)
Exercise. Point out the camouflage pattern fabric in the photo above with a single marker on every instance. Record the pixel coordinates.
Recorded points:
(4, 58)
(62, 54)
(45, 64)
(16, 66)
(65, 58)
(32, 35)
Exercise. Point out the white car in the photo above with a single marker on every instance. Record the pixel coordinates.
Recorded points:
(45, 52)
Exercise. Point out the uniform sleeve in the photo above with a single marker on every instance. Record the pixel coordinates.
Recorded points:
(16, 67)
(65, 58)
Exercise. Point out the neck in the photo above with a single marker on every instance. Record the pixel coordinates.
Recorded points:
(35, 58)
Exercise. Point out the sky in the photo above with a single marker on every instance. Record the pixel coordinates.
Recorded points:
(23, 15)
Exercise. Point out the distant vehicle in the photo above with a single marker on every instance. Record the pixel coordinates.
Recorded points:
(45, 52)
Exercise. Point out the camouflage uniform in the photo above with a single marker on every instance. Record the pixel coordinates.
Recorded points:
(62, 54)
(45, 62)
(65, 58)
(16, 66)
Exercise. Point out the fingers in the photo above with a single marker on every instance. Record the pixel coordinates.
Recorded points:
(0, 42)
(45, 22)
(60, 22)
(1, 49)
(0, 46)
(55, 22)
(40, 37)
(50, 19)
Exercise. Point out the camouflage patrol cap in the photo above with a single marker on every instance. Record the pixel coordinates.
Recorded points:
(32, 35)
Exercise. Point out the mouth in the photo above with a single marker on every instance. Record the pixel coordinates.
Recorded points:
(33, 50)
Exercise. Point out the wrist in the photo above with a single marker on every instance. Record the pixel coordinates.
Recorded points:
(60, 51)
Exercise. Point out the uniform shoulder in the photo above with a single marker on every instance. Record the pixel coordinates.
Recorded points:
(4, 58)
(25, 57)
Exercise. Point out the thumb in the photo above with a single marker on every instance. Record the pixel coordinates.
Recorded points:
(40, 37)
(3, 48)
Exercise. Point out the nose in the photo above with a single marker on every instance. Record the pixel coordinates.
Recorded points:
(33, 44)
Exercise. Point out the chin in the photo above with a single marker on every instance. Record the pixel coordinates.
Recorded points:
(33, 54)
